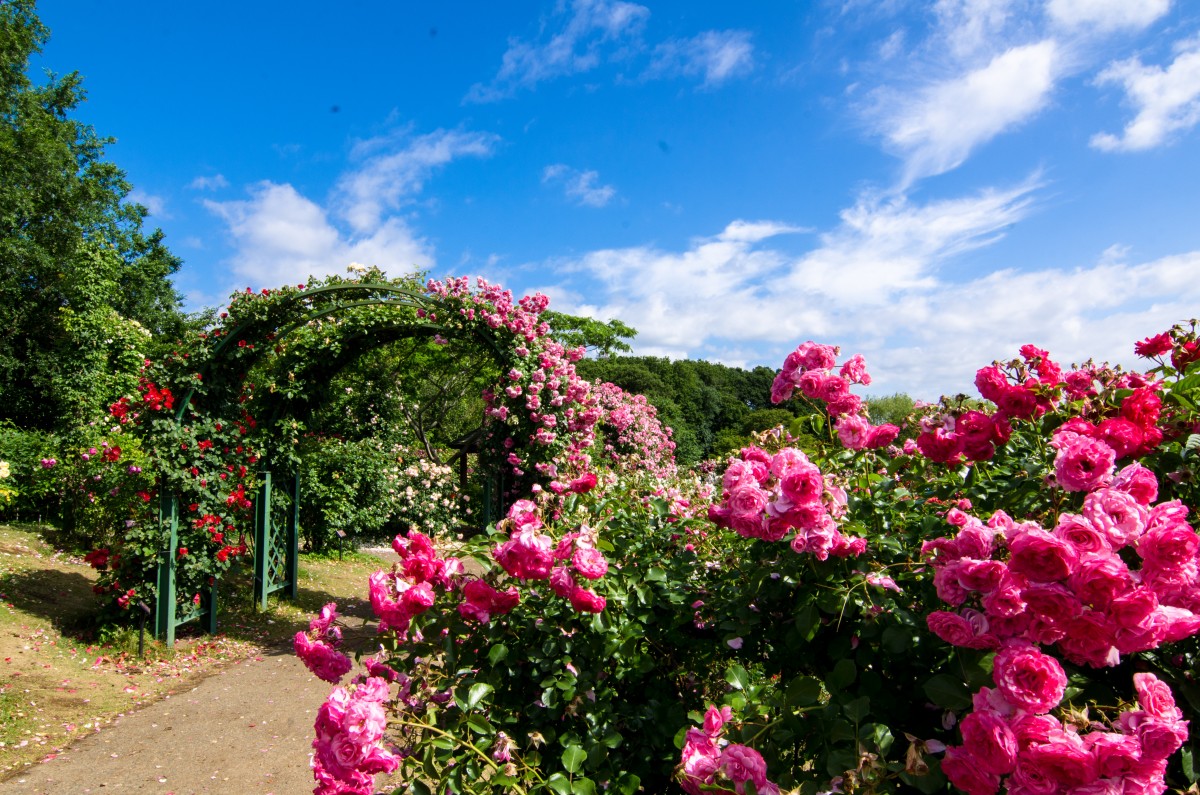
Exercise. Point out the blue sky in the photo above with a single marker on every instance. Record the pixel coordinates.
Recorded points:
(932, 184)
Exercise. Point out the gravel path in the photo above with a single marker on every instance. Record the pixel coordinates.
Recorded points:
(246, 729)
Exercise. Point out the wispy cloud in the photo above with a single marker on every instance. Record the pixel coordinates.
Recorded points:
(715, 55)
(390, 169)
(282, 237)
(215, 182)
(938, 127)
(155, 205)
(1167, 100)
(1107, 15)
(591, 32)
(581, 187)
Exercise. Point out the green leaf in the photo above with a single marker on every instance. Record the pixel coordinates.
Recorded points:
(803, 691)
(477, 693)
(560, 784)
(858, 709)
(628, 783)
(656, 575)
(497, 653)
(584, 786)
(841, 676)
(737, 677)
(479, 724)
(419, 788)
(1187, 758)
(947, 692)
(572, 758)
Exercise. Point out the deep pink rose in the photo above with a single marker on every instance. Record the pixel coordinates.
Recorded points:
(1068, 761)
(882, 435)
(1155, 697)
(1028, 678)
(987, 737)
(1169, 547)
(590, 563)
(585, 600)
(991, 383)
(741, 764)
(1099, 580)
(940, 446)
(1139, 482)
(855, 370)
(1084, 464)
(1122, 435)
(968, 629)
(1041, 557)
(853, 431)
(965, 773)
(1116, 514)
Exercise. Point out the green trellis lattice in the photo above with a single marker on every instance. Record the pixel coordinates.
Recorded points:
(276, 538)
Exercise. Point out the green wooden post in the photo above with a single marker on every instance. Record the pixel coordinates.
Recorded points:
(210, 621)
(164, 607)
(262, 542)
(293, 540)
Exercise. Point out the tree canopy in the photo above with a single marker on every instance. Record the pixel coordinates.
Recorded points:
(84, 288)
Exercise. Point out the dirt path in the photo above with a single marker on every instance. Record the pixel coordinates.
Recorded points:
(246, 729)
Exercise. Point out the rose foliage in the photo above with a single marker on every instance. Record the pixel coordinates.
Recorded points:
(1009, 601)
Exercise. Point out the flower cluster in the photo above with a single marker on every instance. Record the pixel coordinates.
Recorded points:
(629, 434)
(1070, 585)
(710, 763)
(408, 590)
(530, 554)
(1010, 739)
(767, 497)
(317, 648)
(543, 414)
(810, 368)
(348, 749)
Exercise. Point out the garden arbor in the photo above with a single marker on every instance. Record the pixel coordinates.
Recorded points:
(223, 417)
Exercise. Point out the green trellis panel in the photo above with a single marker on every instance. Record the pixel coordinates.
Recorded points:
(276, 549)
(166, 617)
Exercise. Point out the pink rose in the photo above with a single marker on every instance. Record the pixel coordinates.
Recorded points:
(741, 764)
(987, 737)
(1124, 437)
(1155, 697)
(853, 431)
(1116, 514)
(1028, 678)
(1084, 464)
(1041, 557)
(802, 484)
(1138, 482)
(1169, 547)
(590, 563)
(585, 600)
(968, 629)
(965, 773)
(855, 370)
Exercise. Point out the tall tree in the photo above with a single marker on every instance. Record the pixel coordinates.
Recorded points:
(83, 288)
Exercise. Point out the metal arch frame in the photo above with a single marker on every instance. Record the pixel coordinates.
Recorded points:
(166, 620)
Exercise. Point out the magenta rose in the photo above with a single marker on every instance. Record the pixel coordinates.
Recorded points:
(1041, 557)
(965, 773)
(988, 738)
(742, 764)
(1084, 464)
(1028, 678)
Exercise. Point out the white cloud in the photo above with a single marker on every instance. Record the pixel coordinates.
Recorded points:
(594, 31)
(215, 182)
(392, 168)
(1107, 15)
(155, 205)
(936, 129)
(582, 187)
(717, 55)
(928, 331)
(1167, 100)
(282, 237)
(967, 28)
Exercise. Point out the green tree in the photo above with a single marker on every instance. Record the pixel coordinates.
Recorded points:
(83, 288)
(600, 338)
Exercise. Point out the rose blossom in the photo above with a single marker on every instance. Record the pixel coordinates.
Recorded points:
(1083, 464)
(987, 737)
(741, 764)
(1028, 678)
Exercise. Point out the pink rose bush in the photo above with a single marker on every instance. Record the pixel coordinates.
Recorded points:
(769, 496)
(615, 621)
(317, 648)
(810, 369)
(348, 749)
(710, 761)
(1070, 584)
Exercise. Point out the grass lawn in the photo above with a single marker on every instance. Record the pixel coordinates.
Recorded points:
(62, 677)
